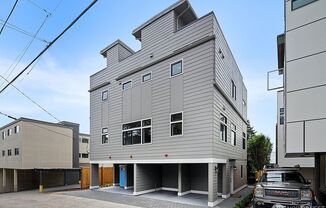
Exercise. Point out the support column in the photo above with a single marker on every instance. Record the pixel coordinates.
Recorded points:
(135, 179)
(212, 184)
(226, 180)
(94, 176)
(4, 180)
(179, 180)
(41, 181)
(184, 183)
(15, 180)
(1, 180)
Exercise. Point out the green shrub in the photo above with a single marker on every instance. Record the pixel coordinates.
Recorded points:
(244, 202)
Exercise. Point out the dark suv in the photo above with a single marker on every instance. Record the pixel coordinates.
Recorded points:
(283, 188)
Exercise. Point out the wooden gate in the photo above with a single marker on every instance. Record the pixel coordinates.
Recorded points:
(105, 177)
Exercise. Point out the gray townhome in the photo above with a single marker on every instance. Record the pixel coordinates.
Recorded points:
(171, 116)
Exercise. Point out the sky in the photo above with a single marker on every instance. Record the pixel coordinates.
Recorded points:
(59, 81)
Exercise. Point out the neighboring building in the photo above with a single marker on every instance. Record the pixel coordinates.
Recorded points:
(84, 150)
(302, 60)
(307, 164)
(37, 153)
(173, 115)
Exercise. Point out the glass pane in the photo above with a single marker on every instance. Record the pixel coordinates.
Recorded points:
(147, 77)
(126, 85)
(127, 139)
(147, 138)
(132, 125)
(176, 68)
(223, 118)
(176, 117)
(147, 122)
(104, 130)
(176, 129)
(300, 3)
(105, 95)
(136, 138)
(105, 138)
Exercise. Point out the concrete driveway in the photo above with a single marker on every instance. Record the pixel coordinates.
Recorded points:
(34, 199)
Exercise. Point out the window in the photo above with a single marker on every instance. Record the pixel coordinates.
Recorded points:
(244, 104)
(9, 132)
(146, 77)
(16, 151)
(3, 153)
(223, 128)
(126, 85)
(300, 3)
(16, 129)
(105, 136)
(3, 135)
(176, 68)
(281, 116)
(9, 152)
(243, 140)
(105, 95)
(176, 124)
(84, 155)
(234, 90)
(241, 171)
(138, 132)
(84, 140)
(79, 155)
(233, 135)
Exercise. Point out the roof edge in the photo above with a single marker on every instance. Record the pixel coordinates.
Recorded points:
(117, 42)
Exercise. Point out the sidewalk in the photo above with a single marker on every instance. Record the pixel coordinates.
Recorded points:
(236, 198)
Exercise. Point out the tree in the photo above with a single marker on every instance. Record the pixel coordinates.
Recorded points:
(259, 151)
(250, 130)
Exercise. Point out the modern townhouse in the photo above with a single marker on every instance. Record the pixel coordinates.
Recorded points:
(37, 153)
(302, 61)
(173, 115)
(84, 150)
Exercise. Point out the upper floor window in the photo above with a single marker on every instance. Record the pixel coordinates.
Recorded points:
(105, 95)
(9, 152)
(105, 135)
(300, 3)
(138, 132)
(9, 131)
(233, 135)
(176, 124)
(176, 68)
(16, 151)
(16, 129)
(241, 171)
(243, 140)
(3, 153)
(3, 135)
(234, 90)
(281, 116)
(127, 85)
(223, 128)
(84, 140)
(146, 77)
(84, 155)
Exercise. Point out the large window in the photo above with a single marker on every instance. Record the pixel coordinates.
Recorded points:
(243, 140)
(300, 3)
(234, 90)
(138, 132)
(84, 140)
(16, 129)
(223, 128)
(146, 77)
(16, 151)
(105, 95)
(176, 124)
(176, 68)
(233, 135)
(281, 116)
(105, 135)
(9, 152)
(126, 85)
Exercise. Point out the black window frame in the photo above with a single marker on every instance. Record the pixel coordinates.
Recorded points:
(125, 83)
(171, 68)
(16, 151)
(223, 128)
(9, 152)
(134, 133)
(176, 121)
(144, 75)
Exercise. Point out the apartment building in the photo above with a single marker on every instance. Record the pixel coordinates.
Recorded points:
(37, 153)
(173, 115)
(84, 150)
(302, 61)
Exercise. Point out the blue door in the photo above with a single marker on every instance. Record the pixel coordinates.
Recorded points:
(122, 176)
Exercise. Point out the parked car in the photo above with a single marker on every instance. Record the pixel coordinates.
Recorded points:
(283, 188)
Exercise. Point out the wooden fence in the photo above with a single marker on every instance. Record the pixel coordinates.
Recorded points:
(105, 176)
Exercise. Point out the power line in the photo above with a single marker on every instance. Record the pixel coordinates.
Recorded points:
(12, 10)
(33, 101)
(51, 43)
(6, 115)
(38, 6)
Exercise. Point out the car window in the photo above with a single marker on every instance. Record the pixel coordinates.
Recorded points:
(282, 177)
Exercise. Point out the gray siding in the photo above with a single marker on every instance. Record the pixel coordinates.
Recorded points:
(170, 176)
(185, 178)
(199, 177)
(147, 177)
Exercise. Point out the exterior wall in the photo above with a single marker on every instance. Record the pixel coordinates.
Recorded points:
(147, 177)
(238, 180)
(305, 78)
(170, 176)
(84, 149)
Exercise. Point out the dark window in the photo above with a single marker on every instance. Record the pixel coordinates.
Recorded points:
(146, 77)
(84, 140)
(281, 116)
(147, 122)
(105, 95)
(223, 128)
(241, 171)
(147, 137)
(234, 90)
(84, 155)
(233, 135)
(3, 135)
(3, 153)
(9, 152)
(138, 132)
(126, 85)
(9, 132)
(176, 124)
(105, 136)
(131, 137)
(79, 155)
(243, 143)
(16, 129)
(300, 3)
(291, 177)
(16, 151)
(132, 125)
(176, 68)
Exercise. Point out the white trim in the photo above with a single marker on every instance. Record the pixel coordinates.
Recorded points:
(183, 193)
(199, 192)
(144, 192)
(130, 80)
(141, 77)
(107, 98)
(168, 189)
(225, 196)
(173, 122)
(128, 187)
(181, 68)
(239, 189)
(213, 204)
(94, 187)
(160, 161)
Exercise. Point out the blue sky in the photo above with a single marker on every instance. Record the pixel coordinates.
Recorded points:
(60, 79)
